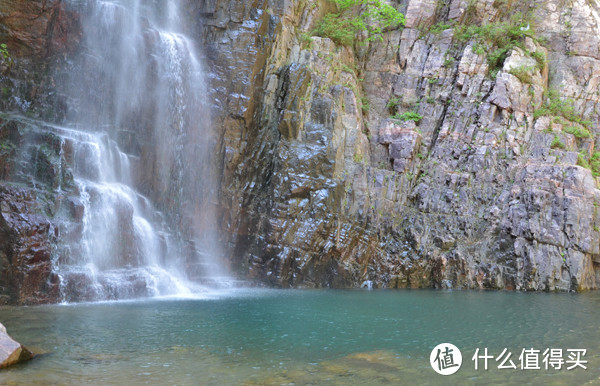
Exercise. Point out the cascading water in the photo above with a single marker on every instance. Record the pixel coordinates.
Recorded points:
(140, 156)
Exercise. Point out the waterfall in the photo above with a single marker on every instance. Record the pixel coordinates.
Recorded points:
(139, 146)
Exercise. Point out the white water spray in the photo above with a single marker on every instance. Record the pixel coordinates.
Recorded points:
(140, 156)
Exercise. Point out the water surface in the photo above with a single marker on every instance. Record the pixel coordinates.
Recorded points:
(301, 336)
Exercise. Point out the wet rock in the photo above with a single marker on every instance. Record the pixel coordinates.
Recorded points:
(128, 142)
(11, 352)
(39, 37)
(26, 244)
(76, 208)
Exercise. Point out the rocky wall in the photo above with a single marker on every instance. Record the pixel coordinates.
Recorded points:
(35, 181)
(320, 190)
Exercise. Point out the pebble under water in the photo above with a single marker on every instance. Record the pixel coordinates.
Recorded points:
(259, 336)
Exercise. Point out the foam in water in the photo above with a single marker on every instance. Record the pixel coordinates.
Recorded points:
(141, 82)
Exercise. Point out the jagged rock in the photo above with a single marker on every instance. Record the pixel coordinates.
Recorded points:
(511, 92)
(391, 130)
(11, 352)
(403, 140)
(488, 202)
(420, 12)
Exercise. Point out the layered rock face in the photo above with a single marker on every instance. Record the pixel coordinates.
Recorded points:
(35, 178)
(436, 156)
(483, 189)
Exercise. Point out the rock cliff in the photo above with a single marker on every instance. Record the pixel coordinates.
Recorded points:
(39, 37)
(486, 179)
(457, 151)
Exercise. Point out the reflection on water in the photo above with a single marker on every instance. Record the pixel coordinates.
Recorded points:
(312, 336)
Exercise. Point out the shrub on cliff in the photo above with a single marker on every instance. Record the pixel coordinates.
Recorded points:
(556, 106)
(497, 39)
(6, 60)
(355, 16)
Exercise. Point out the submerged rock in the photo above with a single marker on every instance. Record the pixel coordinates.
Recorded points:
(11, 351)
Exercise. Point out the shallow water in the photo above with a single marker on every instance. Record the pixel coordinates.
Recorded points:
(302, 336)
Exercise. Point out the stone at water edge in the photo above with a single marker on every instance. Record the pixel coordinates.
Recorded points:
(11, 352)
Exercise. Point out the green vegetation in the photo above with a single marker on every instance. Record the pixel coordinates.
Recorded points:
(438, 28)
(364, 104)
(4, 51)
(374, 16)
(555, 106)
(495, 40)
(582, 161)
(449, 62)
(409, 116)
(5, 55)
(479, 49)
(557, 143)
(338, 29)
(593, 163)
(540, 58)
(498, 39)
(578, 132)
(523, 73)
(306, 39)
(6, 146)
(393, 103)
(348, 69)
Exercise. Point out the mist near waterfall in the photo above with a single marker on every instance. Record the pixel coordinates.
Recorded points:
(139, 139)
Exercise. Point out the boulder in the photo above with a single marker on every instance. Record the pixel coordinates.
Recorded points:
(11, 351)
